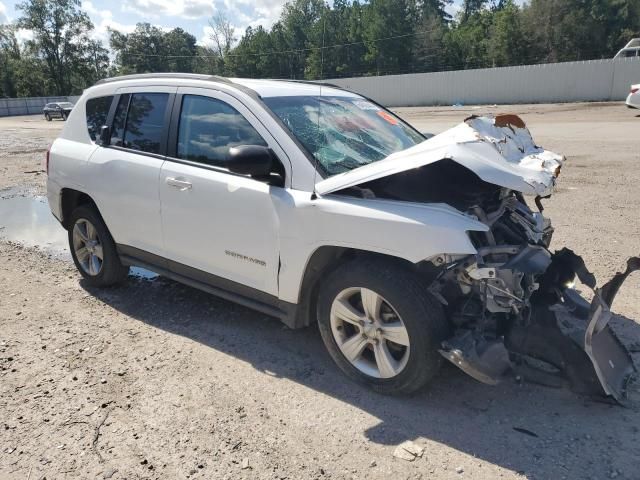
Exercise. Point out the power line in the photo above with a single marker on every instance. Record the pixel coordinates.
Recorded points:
(279, 52)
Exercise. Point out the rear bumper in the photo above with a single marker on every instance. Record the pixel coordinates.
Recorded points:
(633, 101)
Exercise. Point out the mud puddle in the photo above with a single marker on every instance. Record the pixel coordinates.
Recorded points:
(29, 222)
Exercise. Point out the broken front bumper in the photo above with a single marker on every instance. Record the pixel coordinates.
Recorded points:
(565, 341)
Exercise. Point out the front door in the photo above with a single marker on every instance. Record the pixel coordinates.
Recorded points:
(217, 226)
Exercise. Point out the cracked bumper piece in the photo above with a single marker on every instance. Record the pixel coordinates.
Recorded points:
(565, 341)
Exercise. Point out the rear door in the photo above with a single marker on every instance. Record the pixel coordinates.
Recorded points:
(218, 225)
(125, 172)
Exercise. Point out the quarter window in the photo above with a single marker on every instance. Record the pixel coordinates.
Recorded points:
(209, 128)
(97, 110)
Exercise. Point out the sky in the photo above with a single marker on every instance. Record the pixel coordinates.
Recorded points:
(191, 15)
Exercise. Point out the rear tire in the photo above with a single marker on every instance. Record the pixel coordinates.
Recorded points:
(392, 359)
(93, 249)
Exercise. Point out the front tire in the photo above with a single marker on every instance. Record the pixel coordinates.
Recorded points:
(47, 117)
(381, 326)
(93, 249)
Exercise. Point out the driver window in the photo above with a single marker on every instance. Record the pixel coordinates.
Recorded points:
(209, 127)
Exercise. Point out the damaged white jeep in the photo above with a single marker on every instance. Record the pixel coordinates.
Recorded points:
(311, 203)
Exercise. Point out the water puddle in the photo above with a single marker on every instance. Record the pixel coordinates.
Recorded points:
(29, 222)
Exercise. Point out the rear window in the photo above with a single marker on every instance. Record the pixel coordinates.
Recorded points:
(97, 110)
(139, 121)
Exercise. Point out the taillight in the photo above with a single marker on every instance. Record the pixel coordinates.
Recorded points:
(46, 161)
(634, 90)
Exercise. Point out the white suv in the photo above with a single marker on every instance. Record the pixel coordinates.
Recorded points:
(311, 203)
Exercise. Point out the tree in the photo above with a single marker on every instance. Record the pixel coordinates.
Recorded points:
(181, 48)
(97, 64)
(432, 24)
(222, 33)
(298, 20)
(150, 49)
(564, 30)
(61, 36)
(9, 56)
(223, 37)
(508, 44)
(388, 35)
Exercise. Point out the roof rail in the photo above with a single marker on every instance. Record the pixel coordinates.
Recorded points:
(137, 76)
(313, 82)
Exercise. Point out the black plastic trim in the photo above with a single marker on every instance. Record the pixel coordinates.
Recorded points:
(213, 284)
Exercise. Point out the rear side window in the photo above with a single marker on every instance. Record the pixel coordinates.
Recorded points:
(97, 110)
(145, 121)
(209, 128)
(139, 121)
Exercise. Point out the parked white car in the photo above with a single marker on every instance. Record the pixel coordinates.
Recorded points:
(630, 50)
(633, 99)
(315, 204)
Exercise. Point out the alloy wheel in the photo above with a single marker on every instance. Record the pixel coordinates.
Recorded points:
(87, 247)
(369, 332)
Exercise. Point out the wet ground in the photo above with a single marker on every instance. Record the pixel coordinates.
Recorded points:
(28, 221)
(156, 380)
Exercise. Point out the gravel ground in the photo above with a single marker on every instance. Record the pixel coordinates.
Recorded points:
(156, 380)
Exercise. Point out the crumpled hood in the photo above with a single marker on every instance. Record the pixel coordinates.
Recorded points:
(498, 149)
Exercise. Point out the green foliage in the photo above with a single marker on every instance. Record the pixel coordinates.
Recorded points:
(150, 49)
(314, 39)
(395, 36)
(61, 38)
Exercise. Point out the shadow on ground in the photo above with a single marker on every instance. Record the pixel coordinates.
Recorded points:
(565, 436)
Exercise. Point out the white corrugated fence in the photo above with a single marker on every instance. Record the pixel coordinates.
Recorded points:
(593, 80)
(588, 81)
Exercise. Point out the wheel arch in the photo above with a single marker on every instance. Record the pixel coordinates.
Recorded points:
(71, 199)
(327, 258)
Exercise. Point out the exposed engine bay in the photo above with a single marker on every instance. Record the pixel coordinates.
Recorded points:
(511, 306)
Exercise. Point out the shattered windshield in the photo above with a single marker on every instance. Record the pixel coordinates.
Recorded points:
(351, 131)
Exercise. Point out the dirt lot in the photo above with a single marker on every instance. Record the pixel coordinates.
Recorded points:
(156, 380)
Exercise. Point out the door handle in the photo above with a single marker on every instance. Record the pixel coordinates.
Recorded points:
(181, 185)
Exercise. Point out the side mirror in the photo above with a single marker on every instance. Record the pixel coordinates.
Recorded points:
(105, 135)
(254, 160)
